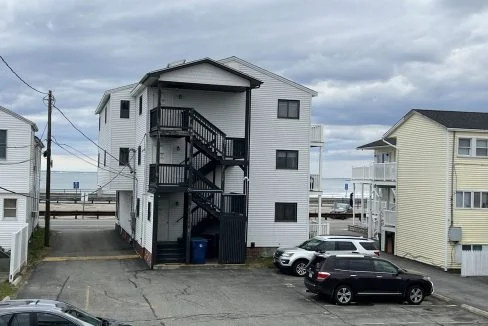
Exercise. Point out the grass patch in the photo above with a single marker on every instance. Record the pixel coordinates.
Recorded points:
(7, 289)
(260, 262)
(37, 251)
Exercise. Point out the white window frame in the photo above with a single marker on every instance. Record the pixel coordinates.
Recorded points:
(473, 142)
(6, 142)
(10, 208)
(472, 194)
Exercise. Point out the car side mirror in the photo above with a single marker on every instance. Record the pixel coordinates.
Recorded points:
(400, 272)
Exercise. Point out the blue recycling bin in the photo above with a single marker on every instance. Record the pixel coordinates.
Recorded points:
(199, 249)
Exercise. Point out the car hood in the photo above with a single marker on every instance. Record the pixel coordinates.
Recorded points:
(290, 249)
(414, 274)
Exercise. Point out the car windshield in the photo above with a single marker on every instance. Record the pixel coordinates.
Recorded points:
(310, 244)
(342, 205)
(83, 316)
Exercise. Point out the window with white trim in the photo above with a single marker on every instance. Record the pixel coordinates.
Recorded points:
(10, 208)
(3, 144)
(471, 199)
(475, 147)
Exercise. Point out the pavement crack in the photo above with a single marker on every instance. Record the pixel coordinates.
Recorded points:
(153, 311)
(62, 288)
(133, 283)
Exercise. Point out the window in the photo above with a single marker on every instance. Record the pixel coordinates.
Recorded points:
(285, 212)
(105, 112)
(289, 109)
(3, 144)
(138, 206)
(123, 156)
(464, 146)
(463, 199)
(361, 265)
(10, 208)
(104, 158)
(140, 105)
(44, 319)
(98, 160)
(382, 266)
(287, 159)
(481, 147)
(139, 155)
(368, 245)
(99, 122)
(20, 319)
(149, 211)
(311, 244)
(345, 246)
(326, 246)
(480, 199)
(342, 264)
(124, 109)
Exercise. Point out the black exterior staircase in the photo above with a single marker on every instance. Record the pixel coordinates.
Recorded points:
(170, 252)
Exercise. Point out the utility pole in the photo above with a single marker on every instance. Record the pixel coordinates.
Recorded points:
(47, 213)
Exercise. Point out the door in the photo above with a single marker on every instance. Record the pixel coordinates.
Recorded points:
(387, 280)
(163, 220)
(232, 247)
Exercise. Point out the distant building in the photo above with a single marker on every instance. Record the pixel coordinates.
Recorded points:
(429, 182)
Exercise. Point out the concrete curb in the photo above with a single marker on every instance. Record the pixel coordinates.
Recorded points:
(201, 266)
(467, 307)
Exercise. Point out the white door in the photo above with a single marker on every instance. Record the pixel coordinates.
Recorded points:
(165, 154)
(163, 220)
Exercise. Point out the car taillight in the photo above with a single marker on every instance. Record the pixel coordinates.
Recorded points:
(377, 253)
(322, 276)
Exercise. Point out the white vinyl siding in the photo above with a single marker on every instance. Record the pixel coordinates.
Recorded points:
(205, 73)
(422, 185)
(267, 184)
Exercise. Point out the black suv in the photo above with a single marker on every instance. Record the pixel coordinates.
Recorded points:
(343, 278)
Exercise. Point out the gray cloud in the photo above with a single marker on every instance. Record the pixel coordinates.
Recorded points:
(370, 64)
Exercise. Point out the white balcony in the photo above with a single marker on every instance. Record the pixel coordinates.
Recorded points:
(389, 218)
(375, 172)
(315, 182)
(317, 135)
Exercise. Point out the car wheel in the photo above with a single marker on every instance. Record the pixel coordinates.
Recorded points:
(343, 295)
(300, 267)
(415, 294)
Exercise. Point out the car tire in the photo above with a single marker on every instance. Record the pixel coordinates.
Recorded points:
(299, 267)
(415, 294)
(343, 295)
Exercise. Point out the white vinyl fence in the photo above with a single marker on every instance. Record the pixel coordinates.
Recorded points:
(14, 236)
(319, 229)
(475, 262)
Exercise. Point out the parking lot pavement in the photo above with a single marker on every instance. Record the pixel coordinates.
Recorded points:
(127, 291)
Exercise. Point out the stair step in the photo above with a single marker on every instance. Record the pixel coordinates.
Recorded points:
(170, 260)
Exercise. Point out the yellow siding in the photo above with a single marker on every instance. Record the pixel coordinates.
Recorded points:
(471, 174)
(423, 159)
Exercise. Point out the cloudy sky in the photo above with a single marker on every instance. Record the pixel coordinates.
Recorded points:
(370, 61)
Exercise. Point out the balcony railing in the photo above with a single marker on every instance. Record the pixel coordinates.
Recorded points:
(235, 148)
(234, 204)
(316, 134)
(169, 174)
(314, 182)
(375, 172)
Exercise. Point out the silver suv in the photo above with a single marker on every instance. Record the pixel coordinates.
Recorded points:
(297, 258)
(47, 312)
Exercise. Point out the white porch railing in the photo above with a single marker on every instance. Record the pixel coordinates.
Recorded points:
(14, 237)
(315, 182)
(389, 218)
(316, 134)
(319, 229)
(375, 172)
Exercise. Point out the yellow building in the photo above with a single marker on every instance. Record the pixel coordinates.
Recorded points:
(429, 189)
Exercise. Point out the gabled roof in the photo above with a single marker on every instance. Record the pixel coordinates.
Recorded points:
(106, 96)
(462, 120)
(378, 143)
(458, 119)
(269, 73)
(18, 116)
(156, 73)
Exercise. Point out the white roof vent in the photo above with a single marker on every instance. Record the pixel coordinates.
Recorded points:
(176, 63)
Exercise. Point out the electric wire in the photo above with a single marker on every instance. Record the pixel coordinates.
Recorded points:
(20, 78)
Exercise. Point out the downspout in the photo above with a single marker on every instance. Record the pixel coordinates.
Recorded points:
(450, 212)
(248, 150)
(156, 195)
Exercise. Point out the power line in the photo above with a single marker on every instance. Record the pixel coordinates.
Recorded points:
(14, 163)
(81, 132)
(105, 169)
(13, 71)
(59, 144)
(17, 193)
(42, 135)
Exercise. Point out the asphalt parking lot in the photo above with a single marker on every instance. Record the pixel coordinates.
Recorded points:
(115, 286)
(125, 290)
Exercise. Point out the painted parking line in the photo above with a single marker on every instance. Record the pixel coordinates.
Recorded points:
(83, 258)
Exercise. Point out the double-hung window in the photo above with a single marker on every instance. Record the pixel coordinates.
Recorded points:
(285, 212)
(286, 159)
(464, 146)
(10, 208)
(123, 156)
(476, 147)
(124, 109)
(482, 147)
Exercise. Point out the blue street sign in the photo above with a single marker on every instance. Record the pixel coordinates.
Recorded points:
(76, 185)
(346, 186)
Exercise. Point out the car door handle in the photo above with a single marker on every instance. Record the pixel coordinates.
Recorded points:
(353, 275)
(355, 252)
(379, 276)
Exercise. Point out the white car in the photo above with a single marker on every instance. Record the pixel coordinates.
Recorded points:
(297, 258)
